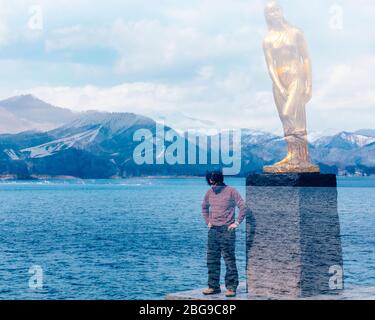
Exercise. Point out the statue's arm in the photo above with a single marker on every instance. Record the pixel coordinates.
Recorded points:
(305, 56)
(272, 71)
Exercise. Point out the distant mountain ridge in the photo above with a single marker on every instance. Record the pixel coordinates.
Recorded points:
(95, 145)
(26, 113)
(349, 153)
(100, 145)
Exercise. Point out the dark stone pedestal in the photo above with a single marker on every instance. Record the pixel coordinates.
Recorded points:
(293, 236)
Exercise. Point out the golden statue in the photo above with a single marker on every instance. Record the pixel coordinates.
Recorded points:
(289, 66)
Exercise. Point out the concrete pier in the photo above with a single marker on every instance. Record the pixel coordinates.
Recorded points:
(350, 293)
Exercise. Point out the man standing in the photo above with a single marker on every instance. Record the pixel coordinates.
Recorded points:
(218, 208)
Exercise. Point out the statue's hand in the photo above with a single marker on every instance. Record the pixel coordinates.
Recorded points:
(284, 93)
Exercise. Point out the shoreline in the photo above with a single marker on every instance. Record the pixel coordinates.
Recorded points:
(10, 178)
(72, 178)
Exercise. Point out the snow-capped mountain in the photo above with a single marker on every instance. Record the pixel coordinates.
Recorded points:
(182, 122)
(101, 145)
(98, 132)
(114, 123)
(26, 112)
(78, 141)
(103, 141)
(346, 140)
(94, 145)
(348, 152)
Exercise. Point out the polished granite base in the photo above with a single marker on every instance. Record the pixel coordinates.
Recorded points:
(293, 236)
(313, 180)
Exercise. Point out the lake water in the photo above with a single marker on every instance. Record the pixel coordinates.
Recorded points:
(138, 238)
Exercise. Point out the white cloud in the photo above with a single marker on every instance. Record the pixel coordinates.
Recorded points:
(201, 58)
(348, 84)
(5, 12)
(177, 36)
(206, 72)
(345, 96)
(77, 37)
(344, 99)
(229, 101)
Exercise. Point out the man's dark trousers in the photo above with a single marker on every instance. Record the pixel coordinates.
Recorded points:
(222, 243)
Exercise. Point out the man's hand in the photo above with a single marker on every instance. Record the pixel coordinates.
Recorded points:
(233, 227)
(209, 226)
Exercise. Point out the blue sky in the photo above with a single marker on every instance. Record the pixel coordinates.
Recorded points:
(178, 60)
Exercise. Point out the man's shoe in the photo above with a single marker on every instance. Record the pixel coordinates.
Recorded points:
(210, 291)
(230, 293)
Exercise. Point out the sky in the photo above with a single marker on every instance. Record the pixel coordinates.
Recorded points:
(193, 64)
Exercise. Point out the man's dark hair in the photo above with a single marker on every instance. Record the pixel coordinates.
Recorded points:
(216, 176)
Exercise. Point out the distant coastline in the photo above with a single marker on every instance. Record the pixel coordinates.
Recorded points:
(47, 177)
(4, 178)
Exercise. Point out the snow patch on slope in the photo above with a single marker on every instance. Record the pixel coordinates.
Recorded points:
(50, 148)
(357, 139)
(11, 154)
(114, 122)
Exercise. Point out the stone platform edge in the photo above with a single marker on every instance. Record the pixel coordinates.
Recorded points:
(316, 180)
(350, 293)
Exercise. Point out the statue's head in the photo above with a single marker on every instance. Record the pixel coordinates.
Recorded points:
(274, 13)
